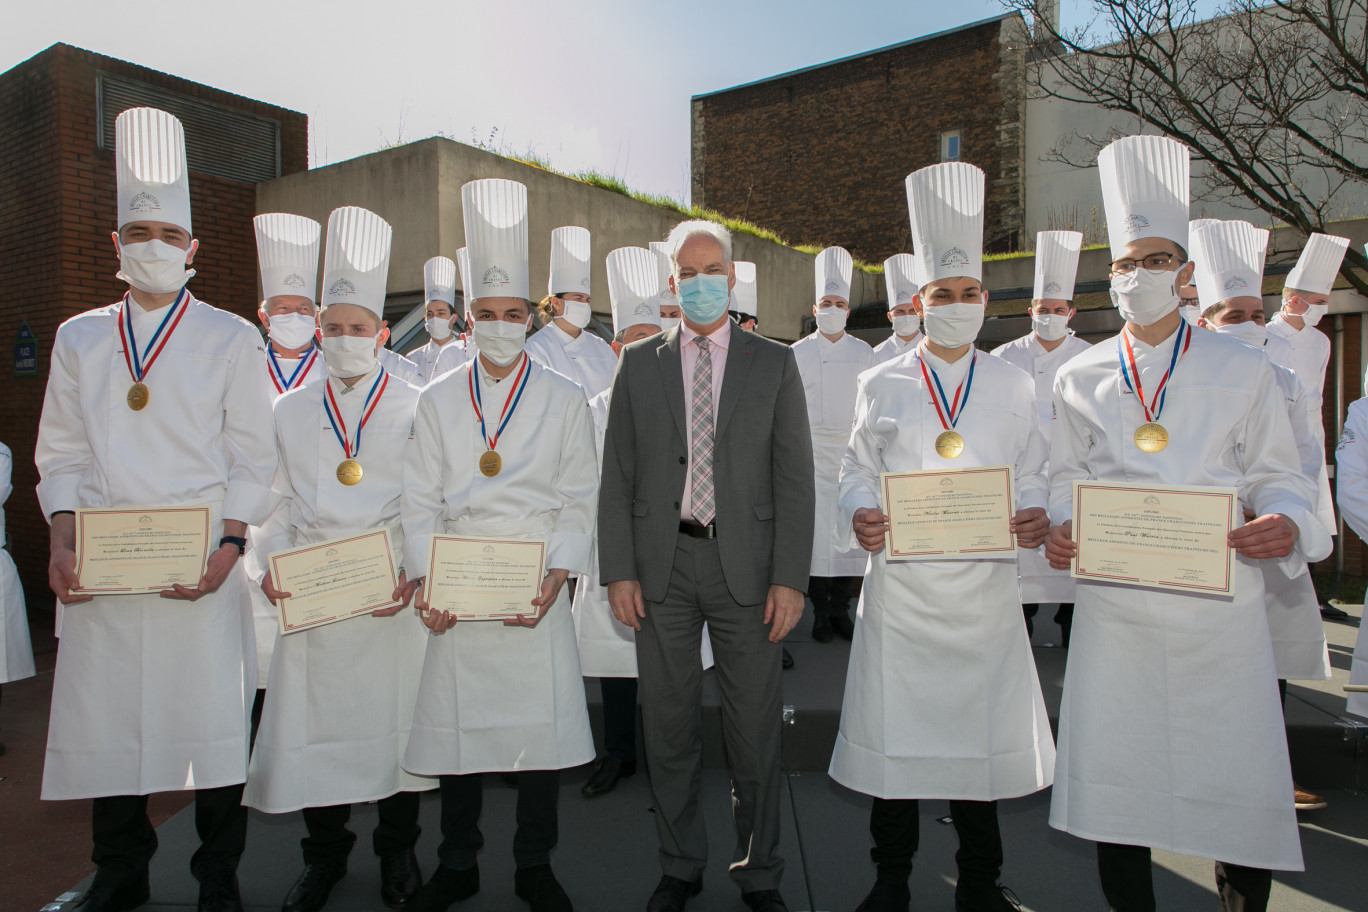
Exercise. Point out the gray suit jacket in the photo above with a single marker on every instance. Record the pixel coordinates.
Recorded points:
(762, 468)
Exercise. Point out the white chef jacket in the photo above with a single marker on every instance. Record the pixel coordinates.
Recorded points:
(894, 347)
(830, 372)
(152, 694)
(1306, 353)
(494, 697)
(1170, 731)
(453, 355)
(401, 367)
(16, 650)
(336, 719)
(586, 359)
(1351, 490)
(430, 356)
(941, 696)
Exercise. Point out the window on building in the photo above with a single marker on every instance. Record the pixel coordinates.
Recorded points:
(950, 146)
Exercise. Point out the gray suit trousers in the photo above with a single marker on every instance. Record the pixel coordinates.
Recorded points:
(748, 667)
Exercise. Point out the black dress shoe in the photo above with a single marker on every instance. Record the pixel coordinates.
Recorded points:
(887, 896)
(606, 777)
(764, 901)
(672, 893)
(218, 892)
(984, 896)
(821, 629)
(538, 887)
(787, 660)
(1331, 613)
(310, 890)
(843, 625)
(447, 886)
(102, 898)
(400, 878)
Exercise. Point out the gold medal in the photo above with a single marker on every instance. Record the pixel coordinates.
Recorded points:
(949, 445)
(490, 463)
(1151, 438)
(137, 396)
(349, 472)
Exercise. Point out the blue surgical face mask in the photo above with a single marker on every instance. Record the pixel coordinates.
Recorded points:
(704, 298)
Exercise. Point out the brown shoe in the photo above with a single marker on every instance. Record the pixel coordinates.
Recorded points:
(1306, 801)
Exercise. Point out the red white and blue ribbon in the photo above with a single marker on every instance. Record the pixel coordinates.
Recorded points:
(140, 362)
(949, 410)
(1155, 407)
(510, 404)
(351, 448)
(282, 383)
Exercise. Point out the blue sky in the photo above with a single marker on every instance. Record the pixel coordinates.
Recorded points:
(596, 84)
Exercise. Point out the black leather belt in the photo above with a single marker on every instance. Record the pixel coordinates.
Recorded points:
(694, 530)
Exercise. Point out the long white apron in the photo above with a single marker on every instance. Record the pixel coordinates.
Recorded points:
(16, 649)
(1358, 674)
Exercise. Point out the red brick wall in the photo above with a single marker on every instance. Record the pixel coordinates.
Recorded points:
(57, 209)
(820, 156)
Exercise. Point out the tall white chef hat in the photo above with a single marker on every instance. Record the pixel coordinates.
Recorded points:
(356, 263)
(287, 252)
(463, 265)
(1056, 264)
(439, 280)
(662, 251)
(633, 287)
(945, 204)
(1144, 190)
(745, 296)
(832, 270)
(900, 279)
(495, 212)
(1318, 264)
(569, 261)
(1230, 260)
(152, 177)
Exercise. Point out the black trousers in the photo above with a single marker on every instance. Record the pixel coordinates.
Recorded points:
(330, 840)
(895, 826)
(1063, 616)
(832, 594)
(462, 799)
(619, 717)
(1128, 881)
(125, 841)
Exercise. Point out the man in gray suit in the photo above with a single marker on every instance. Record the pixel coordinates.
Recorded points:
(705, 514)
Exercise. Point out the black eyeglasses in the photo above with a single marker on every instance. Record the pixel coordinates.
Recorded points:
(1155, 261)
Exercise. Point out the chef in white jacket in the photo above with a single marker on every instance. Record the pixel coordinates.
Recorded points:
(439, 291)
(830, 362)
(503, 446)
(1041, 353)
(16, 649)
(151, 693)
(941, 696)
(670, 314)
(745, 297)
(904, 308)
(1170, 735)
(462, 348)
(563, 344)
(336, 719)
(1351, 492)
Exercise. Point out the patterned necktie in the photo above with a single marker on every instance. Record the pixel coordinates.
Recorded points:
(701, 503)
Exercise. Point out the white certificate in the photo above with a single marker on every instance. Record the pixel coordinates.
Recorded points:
(135, 552)
(485, 579)
(1157, 537)
(949, 514)
(334, 580)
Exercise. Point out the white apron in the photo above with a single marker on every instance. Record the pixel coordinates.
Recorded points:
(941, 696)
(1358, 674)
(1351, 487)
(16, 650)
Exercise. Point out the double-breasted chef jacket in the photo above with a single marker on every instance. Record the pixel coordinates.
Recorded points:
(585, 359)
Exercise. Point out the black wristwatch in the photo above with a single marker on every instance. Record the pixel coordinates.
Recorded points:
(234, 540)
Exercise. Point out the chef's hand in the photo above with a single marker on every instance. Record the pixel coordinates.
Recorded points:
(870, 524)
(403, 594)
(783, 608)
(436, 621)
(624, 598)
(271, 592)
(62, 560)
(1273, 535)
(216, 570)
(550, 588)
(1060, 548)
(1031, 527)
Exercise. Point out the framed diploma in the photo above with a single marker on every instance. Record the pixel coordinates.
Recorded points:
(334, 580)
(1156, 537)
(484, 579)
(136, 552)
(949, 514)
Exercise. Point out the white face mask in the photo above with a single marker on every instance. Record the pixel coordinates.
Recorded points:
(832, 320)
(1248, 332)
(906, 325)
(350, 356)
(953, 325)
(292, 330)
(1190, 312)
(1145, 297)
(154, 266)
(438, 328)
(500, 341)
(1050, 327)
(1313, 314)
(668, 323)
(577, 313)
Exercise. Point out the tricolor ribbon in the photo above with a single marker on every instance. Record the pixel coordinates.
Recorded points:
(282, 384)
(139, 363)
(510, 404)
(1155, 407)
(948, 411)
(352, 448)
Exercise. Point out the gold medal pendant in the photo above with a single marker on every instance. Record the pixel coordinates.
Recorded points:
(349, 472)
(137, 396)
(949, 445)
(490, 464)
(1151, 438)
